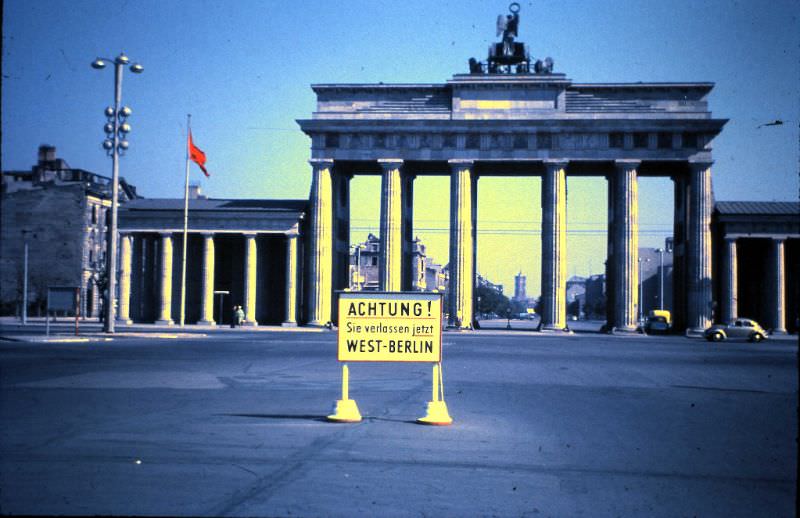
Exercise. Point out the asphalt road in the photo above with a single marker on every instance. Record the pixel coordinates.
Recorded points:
(232, 424)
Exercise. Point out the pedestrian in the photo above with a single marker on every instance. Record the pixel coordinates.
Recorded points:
(239, 315)
(234, 316)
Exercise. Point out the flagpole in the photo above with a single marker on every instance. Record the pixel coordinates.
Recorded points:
(185, 221)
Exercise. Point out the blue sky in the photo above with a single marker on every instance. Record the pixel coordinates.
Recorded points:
(243, 70)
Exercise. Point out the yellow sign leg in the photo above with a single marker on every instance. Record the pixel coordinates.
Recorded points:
(345, 410)
(436, 412)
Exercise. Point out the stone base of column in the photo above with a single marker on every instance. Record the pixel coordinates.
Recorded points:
(320, 324)
(554, 329)
(250, 323)
(288, 324)
(625, 330)
(206, 323)
(165, 322)
(779, 331)
(123, 321)
(451, 327)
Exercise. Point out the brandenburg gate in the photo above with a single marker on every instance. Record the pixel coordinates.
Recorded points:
(513, 116)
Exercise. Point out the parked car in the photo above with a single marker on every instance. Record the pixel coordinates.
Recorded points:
(739, 328)
(658, 322)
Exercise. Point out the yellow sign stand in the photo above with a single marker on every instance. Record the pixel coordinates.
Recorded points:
(345, 410)
(436, 413)
(391, 327)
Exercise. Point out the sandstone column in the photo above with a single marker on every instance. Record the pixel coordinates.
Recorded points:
(730, 287)
(291, 281)
(779, 286)
(554, 247)
(461, 246)
(250, 279)
(125, 259)
(698, 278)
(207, 301)
(165, 313)
(320, 260)
(391, 253)
(626, 246)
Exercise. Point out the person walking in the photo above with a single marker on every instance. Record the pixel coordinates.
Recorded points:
(239, 315)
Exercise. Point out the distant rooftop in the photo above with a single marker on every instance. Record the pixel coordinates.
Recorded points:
(758, 207)
(218, 205)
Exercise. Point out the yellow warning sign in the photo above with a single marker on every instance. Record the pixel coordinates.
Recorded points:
(390, 327)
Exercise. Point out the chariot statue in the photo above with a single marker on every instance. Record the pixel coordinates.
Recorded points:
(509, 56)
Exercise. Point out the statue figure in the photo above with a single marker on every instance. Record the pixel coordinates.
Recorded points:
(507, 26)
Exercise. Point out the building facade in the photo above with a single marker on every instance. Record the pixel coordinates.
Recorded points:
(62, 214)
(426, 275)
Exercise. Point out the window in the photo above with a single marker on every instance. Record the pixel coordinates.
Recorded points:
(640, 139)
(544, 140)
(689, 139)
(664, 140)
(374, 261)
(94, 214)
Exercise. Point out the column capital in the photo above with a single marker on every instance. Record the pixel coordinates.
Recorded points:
(460, 164)
(627, 164)
(293, 234)
(250, 234)
(390, 163)
(555, 164)
(700, 165)
(778, 239)
(730, 239)
(321, 163)
(165, 234)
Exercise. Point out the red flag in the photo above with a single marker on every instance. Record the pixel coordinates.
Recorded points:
(197, 156)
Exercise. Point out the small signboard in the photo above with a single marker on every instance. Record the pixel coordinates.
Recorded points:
(390, 326)
(62, 298)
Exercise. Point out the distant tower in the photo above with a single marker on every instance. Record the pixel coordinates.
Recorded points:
(519, 287)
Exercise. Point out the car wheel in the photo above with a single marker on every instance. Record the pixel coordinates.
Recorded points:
(756, 337)
(717, 337)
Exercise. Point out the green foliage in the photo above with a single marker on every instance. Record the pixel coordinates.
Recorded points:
(492, 301)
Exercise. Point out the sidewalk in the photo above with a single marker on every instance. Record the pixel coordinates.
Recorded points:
(91, 329)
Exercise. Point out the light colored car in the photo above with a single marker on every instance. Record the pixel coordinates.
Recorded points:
(739, 328)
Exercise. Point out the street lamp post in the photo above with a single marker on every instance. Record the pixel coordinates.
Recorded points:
(660, 278)
(641, 290)
(25, 279)
(115, 128)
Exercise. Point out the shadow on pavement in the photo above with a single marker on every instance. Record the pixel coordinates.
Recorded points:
(304, 417)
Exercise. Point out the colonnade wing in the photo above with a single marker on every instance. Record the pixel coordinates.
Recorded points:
(239, 253)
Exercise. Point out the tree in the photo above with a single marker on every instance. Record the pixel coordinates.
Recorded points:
(491, 301)
(574, 308)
